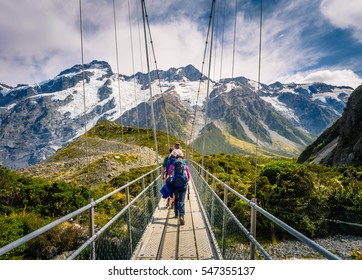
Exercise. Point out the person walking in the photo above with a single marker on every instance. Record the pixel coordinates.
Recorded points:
(164, 170)
(180, 175)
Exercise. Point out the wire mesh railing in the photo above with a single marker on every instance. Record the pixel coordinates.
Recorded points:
(233, 238)
(89, 234)
(120, 236)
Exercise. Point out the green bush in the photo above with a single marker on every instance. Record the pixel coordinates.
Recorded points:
(305, 196)
(39, 196)
(356, 255)
(26, 204)
(15, 226)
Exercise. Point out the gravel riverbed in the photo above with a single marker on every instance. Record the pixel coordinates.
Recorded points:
(341, 245)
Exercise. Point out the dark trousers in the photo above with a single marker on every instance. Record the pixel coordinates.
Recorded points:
(179, 205)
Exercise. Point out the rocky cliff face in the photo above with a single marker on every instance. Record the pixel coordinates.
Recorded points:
(168, 108)
(342, 143)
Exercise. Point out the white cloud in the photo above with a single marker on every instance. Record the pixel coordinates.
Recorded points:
(344, 14)
(343, 77)
(36, 41)
(43, 37)
(283, 48)
(182, 45)
(41, 44)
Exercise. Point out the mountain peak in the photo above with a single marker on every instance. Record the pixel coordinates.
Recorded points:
(276, 86)
(179, 74)
(95, 64)
(173, 74)
(4, 88)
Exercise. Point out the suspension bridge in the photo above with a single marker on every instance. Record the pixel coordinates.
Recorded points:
(145, 228)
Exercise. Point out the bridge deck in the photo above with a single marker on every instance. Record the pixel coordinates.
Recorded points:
(166, 239)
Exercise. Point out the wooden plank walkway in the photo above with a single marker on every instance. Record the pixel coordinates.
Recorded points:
(166, 239)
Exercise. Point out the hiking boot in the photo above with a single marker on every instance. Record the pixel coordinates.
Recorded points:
(176, 216)
(182, 220)
(168, 202)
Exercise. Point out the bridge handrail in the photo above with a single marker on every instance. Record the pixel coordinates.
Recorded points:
(283, 225)
(110, 222)
(36, 233)
(240, 225)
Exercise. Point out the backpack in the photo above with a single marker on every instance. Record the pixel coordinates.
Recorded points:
(179, 173)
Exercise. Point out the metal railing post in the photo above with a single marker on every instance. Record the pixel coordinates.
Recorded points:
(213, 203)
(224, 222)
(252, 229)
(145, 202)
(129, 222)
(153, 194)
(92, 248)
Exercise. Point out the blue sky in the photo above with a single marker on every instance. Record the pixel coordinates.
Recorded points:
(302, 40)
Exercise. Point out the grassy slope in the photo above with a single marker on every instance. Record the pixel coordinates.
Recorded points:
(217, 142)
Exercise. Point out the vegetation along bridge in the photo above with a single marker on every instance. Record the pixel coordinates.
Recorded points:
(144, 228)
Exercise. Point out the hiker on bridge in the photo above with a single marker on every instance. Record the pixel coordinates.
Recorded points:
(179, 175)
(165, 165)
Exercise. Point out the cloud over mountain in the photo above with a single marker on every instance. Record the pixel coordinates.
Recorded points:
(298, 37)
(336, 77)
(343, 15)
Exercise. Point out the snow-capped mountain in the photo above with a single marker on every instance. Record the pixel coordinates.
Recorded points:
(312, 107)
(36, 120)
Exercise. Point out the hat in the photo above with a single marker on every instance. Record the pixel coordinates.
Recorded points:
(177, 153)
(177, 144)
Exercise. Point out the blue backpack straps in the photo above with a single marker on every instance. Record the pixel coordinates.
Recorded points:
(179, 173)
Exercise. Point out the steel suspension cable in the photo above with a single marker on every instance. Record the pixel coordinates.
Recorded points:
(149, 80)
(139, 36)
(215, 34)
(133, 70)
(208, 81)
(83, 84)
(159, 79)
(141, 60)
(166, 121)
(117, 62)
(222, 40)
(258, 93)
(234, 41)
(201, 77)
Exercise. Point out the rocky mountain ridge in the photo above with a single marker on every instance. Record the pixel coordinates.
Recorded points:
(341, 143)
(37, 120)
